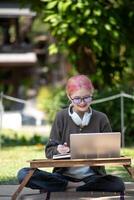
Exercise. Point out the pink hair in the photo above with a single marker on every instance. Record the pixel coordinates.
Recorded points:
(77, 82)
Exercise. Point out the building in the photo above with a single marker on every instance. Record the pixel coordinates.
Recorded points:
(17, 57)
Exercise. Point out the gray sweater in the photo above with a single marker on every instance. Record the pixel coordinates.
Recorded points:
(63, 126)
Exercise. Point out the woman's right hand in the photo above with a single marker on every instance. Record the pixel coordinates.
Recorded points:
(63, 148)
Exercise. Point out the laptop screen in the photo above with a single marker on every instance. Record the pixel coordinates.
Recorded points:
(95, 145)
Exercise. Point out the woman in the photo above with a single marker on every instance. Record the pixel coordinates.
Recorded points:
(79, 117)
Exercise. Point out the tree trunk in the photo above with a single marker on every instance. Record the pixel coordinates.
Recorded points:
(86, 62)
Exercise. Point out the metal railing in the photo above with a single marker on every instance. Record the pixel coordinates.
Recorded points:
(121, 95)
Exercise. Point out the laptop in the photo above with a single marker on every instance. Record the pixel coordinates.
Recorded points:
(95, 145)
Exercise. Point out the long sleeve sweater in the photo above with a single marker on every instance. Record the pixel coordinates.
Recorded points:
(63, 126)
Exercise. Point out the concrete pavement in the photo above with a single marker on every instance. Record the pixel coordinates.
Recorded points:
(6, 192)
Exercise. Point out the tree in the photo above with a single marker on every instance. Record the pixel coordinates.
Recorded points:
(96, 35)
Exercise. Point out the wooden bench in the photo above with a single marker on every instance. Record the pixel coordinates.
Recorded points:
(41, 163)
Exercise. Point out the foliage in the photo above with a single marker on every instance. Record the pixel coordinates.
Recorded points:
(97, 35)
(11, 138)
(113, 111)
(51, 99)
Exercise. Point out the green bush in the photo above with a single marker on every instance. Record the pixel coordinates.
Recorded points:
(11, 138)
(52, 99)
(113, 110)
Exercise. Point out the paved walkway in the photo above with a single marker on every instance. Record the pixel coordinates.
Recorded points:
(6, 192)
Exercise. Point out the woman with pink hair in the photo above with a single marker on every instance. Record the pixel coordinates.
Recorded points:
(79, 117)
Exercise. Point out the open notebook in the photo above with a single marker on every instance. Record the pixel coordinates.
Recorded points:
(93, 145)
(62, 156)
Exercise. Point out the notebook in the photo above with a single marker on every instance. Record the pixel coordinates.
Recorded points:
(62, 156)
(95, 145)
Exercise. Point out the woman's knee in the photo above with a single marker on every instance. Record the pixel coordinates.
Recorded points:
(119, 184)
(22, 174)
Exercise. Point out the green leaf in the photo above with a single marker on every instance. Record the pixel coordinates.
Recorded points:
(131, 14)
(71, 40)
(115, 34)
(81, 31)
(53, 49)
(92, 31)
(80, 5)
(87, 13)
(50, 17)
(62, 6)
(97, 12)
(54, 19)
(51, 5)
(89, 21)
(97, 45)
(64, 26)
(74, 7)
(112, 20)
(107, 27)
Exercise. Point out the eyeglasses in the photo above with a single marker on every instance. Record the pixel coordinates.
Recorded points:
(78, 100)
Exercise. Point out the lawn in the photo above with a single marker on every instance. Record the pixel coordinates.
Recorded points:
(120, 171)
(14, 158)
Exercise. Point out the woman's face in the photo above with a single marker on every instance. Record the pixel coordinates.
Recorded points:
(81, 99)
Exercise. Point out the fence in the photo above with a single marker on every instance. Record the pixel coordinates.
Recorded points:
(2, 97)
(121, 95)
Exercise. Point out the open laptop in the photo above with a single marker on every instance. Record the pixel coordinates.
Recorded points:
(95, 145)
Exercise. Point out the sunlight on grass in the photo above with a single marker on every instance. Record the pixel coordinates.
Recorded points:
(120, 171)
(128, 152)
(14, 158)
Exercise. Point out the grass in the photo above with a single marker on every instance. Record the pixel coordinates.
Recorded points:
(14, 158)
(120, 171)
(17, 148)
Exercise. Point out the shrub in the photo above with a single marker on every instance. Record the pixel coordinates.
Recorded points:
(113, 110)
(11, 138)
(51, 100)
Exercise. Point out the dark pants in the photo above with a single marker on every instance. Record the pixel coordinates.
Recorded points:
(55, 182)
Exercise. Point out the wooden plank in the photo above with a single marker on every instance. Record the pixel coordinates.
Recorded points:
(79, 162)
(23, 184)
(130, 170)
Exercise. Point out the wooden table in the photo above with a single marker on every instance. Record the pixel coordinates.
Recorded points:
(39, 163)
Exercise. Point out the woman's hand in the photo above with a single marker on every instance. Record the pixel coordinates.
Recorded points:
(63, 148)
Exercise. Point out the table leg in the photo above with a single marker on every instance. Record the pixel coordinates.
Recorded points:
(130, 170)
(23, 184)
